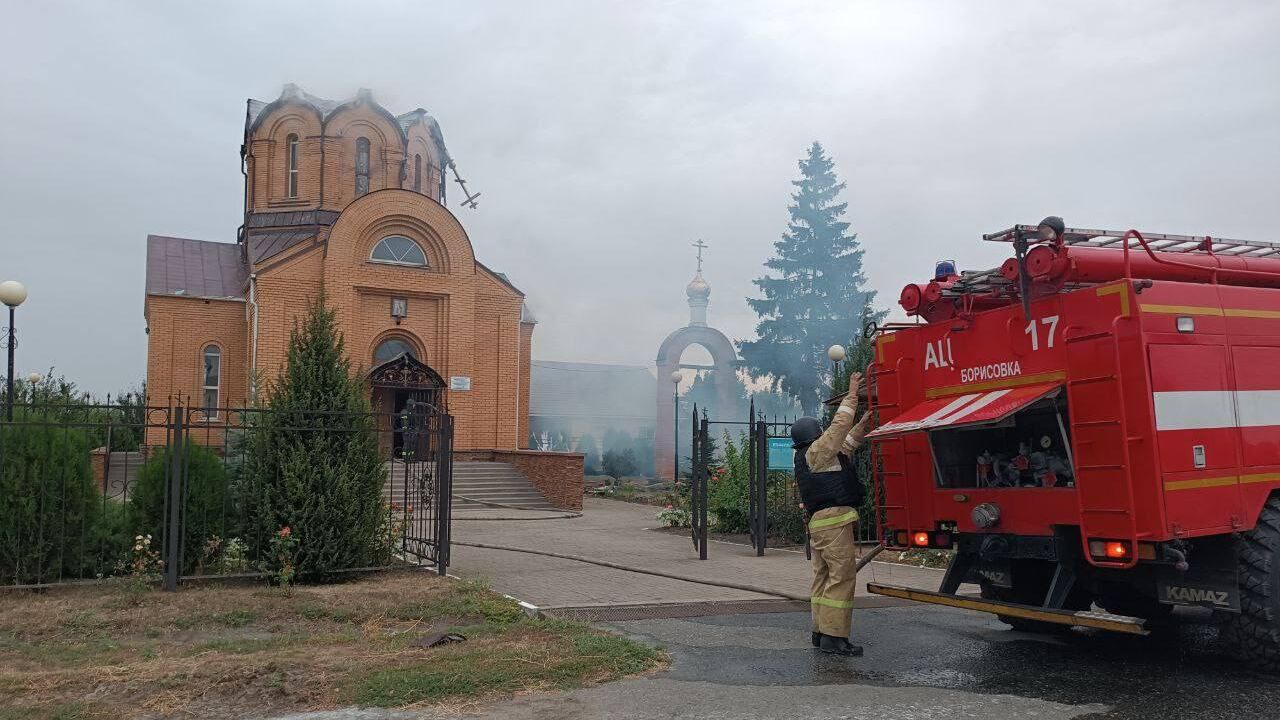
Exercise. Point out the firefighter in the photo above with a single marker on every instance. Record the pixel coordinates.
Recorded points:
(831, 491)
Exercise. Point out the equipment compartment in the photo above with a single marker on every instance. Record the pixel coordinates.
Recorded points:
(1031, 448)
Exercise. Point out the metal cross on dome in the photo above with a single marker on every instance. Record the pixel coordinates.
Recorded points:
(700, 245)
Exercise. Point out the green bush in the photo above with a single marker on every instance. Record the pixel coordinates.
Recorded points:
(207, 510)
(311, 461)
(728, 492)
(50, 511)
(728, 497)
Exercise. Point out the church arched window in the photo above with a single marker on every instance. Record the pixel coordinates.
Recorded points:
(212, 379)
(392, 348)
(417, 173)
(291, 162)
(399, 250)
(362, 166)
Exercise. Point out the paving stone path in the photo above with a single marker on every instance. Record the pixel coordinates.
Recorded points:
(620, 532)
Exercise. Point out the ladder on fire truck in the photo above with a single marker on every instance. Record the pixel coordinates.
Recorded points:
(1095, 392)
(887, 457)
(1159, 242)
(979, 282)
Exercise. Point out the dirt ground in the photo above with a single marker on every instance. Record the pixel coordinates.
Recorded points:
(242, 651)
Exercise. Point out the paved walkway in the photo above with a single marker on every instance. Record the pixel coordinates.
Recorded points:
(618, 532)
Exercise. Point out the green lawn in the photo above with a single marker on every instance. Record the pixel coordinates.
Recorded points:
(227, 651)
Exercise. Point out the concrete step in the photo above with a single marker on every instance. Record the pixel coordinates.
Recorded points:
(493, 482)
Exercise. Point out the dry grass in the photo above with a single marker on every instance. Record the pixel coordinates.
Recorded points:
(246, 651)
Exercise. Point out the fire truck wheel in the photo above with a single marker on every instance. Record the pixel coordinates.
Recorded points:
(1256, 630)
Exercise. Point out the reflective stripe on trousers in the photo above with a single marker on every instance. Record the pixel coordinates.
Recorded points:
(831, 538)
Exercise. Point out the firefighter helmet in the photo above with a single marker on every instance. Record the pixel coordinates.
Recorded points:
(804, 431)
(1054, 223)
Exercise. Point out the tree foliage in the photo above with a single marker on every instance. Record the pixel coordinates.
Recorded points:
(618, 464)
(207, 509)
(51, 516)
(814, 295)
(312, 461)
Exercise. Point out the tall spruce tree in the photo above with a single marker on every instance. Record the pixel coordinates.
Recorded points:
(312, 461)
(815, 297)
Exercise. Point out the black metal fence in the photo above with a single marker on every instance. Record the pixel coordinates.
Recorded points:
(95, 491)
(774, 507)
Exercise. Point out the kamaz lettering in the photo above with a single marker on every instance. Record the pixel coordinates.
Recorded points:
(1198, 596)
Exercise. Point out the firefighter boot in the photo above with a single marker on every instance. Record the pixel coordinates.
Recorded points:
(839, 646)
(815, 637)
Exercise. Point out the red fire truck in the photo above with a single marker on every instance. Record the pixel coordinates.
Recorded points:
(1097, 421)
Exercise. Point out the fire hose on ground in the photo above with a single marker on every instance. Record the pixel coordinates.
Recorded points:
(862, 562)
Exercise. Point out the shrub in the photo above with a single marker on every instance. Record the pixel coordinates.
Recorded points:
(50, 511)
(728, 497)
(728, 491)
(672, 516)
(619, 463)
(311, 462)
(206, 512)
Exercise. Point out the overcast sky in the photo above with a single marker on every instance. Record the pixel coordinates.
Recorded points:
(607, 136)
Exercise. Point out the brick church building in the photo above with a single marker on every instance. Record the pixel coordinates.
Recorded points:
(348, 197)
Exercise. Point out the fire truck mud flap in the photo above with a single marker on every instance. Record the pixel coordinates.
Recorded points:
(1076, 618)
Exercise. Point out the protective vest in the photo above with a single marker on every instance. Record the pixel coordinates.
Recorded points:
(821, 490)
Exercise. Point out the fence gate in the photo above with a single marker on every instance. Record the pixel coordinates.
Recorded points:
(699, 479)
(426, 462)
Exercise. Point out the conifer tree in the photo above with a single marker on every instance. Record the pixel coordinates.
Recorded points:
(312, 461)
(814, 296)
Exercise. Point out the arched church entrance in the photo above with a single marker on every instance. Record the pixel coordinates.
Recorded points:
(403, 387)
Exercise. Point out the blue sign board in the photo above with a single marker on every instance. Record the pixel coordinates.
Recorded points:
(781, 456)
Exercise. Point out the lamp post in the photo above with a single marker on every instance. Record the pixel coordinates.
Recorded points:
(33, 380)
(675, 412)
(835, 353)
(12, 293)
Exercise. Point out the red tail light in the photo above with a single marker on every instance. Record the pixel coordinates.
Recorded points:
(1110, 549)
(920, 539)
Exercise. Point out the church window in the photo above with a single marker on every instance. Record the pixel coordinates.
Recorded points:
(362, 166)
(212, 379)
(399, 250)
(392, 348)
(417, 173)
(291, 145)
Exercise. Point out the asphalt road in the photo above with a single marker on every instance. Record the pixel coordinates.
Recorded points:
(921, 663)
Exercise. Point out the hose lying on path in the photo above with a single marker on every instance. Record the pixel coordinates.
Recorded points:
(672, 576)
(563, 514)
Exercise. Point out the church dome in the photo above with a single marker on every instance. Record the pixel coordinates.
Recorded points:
(699, 288)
